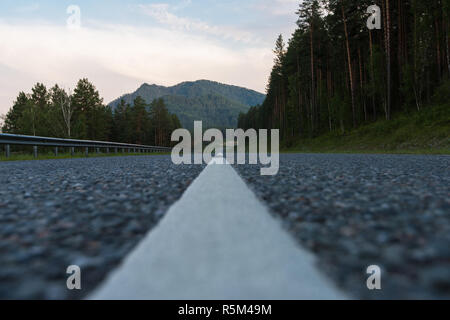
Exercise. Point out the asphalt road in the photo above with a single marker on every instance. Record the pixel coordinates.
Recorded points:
(353, 211)
(218, 242)
(350, 211)
(86, 212)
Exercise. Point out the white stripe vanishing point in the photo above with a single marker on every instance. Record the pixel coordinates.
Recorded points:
(218, 242)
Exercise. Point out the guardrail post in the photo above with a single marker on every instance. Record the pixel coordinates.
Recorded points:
(35, 152)
(107, 150)
(56, 151)
(7, 151)
(72, 151)
(97, 150)
(115, 150)
(86, 152)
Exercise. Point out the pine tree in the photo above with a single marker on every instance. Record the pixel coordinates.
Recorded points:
(92, 120)
(160, 119)
(140, 121)
(12, 120)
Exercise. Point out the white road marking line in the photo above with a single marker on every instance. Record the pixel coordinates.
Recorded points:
(218, 242)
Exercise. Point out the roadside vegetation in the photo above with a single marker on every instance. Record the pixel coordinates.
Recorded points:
(82, 115)
(339, 86)
(423, 132)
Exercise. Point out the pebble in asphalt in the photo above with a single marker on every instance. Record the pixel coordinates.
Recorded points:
(86, 212)
(353, 211)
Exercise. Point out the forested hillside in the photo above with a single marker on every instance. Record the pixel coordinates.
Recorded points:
(82, 115)
(215, 111)
(335, 74)
(216, 104)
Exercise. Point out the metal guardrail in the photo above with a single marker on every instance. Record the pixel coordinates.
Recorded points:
(14, 139)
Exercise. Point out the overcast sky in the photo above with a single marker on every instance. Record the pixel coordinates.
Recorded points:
(122, 44)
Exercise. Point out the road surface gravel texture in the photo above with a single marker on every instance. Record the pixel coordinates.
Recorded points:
(353, 211)
(86, 212)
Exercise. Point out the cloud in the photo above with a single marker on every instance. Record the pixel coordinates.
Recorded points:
(278, 7)
(118, 58)
(182, 5)
(29, 8)
(162, 13)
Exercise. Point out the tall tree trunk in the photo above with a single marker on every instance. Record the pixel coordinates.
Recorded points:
(438, 48)
(372, 75)
(330, 120)
(400, 41)
(312, 76)
(352, 89)
(388, 60)
(415, 80)
(299, 95)
(448, 51)
(361, 83)
(329, 90)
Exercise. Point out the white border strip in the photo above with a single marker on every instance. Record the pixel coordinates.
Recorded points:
(218, 242)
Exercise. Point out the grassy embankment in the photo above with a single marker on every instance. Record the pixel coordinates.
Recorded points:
(423, 132)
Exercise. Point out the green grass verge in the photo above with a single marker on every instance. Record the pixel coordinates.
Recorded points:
(47, 156)
(423, 132)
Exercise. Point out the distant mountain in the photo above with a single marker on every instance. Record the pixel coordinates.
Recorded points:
(217, 105)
